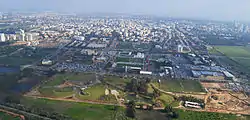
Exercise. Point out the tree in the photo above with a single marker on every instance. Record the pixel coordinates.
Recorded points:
(156, 93)
(168, 109)
(130, 112)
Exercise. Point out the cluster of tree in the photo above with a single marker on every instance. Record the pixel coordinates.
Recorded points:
(130, 111)
(138, 86)
(170, 113)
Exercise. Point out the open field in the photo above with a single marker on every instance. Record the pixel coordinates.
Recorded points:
(180, 86)
(187, 115)
(239, 54)
(92, 93)
(56, 86)
(234, 51)
(5, 116)
(117, 81)
(78, 111)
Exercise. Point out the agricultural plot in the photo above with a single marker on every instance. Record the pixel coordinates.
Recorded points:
(179, 86)
(239, 54)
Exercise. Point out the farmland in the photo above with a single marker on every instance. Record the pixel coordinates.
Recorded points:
(239, 54)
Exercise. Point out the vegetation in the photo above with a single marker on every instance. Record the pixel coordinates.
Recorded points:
(51, 88)
(5, 116)
(239, 56)
(179, 85)
(92, 93)
(78, 111)
(192, 115)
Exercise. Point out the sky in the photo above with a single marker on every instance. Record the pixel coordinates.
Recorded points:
(196, 9)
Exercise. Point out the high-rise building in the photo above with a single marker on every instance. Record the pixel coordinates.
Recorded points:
(2, 37)
(22, 35)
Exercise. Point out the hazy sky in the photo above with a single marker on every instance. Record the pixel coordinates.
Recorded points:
(204, 9)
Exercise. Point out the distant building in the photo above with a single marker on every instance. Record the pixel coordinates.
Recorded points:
(146, 72)
(180, 48)
(2, 37)
(29, 37)
(46, 62)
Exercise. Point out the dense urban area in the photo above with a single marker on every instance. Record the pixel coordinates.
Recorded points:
(122, 67)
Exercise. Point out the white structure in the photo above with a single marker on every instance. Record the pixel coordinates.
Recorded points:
(192, 104)
(139, 55)
(79, 38)
(146, 72)
(22, 35)
(46, 62)
(2, 37)
(29, 37)
(180, 48)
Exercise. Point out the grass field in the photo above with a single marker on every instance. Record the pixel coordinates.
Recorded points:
(4, 116)
(93, 92)
(50, 88)
(78, 111)
(238, 54)
(192, 115)
(117, 81)
(187, 115)
(180, 86)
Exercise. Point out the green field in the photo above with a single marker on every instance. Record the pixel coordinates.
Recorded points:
(234, 51)
(4, 116)
(180, 86)
(25, 56)
(51, 89)
(78, 111)
(187, 115)
(239, 54)
(117, 81)
(93, 93)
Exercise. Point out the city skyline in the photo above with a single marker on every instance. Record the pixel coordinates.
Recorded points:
(206, 9)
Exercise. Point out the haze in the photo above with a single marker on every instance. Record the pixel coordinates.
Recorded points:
(201, 9)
